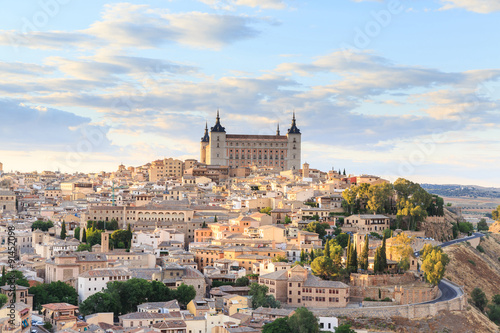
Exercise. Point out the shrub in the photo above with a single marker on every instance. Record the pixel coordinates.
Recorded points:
(472, 262)
(480, 248)
(387, 299)
(368, 299)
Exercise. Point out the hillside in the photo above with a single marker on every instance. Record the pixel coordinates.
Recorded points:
(470, 268)
(495, 227)
(467, 191)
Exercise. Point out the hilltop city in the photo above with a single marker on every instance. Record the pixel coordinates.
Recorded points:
(249, 238)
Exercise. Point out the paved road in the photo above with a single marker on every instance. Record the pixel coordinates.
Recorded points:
(455, 241)
(448, 292)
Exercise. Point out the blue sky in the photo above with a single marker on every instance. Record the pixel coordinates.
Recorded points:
(398, 88)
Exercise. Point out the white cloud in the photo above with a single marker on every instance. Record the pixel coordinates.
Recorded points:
(140, 26)
(477, 6)
(231, 4)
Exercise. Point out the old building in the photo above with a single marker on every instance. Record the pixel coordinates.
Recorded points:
(298, 287)
(7, 201)
(278, 151)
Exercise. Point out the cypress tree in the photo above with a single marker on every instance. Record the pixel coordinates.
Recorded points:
(3, 282)
(303, 256)
(129, 237)
(376, 263)
(312, 255)
(215, 219)
(84, 236)
(383, 256)
(354, 259)
(344, 172)
(364, 254)
(348, 252)
(63, 230)
(326, 252)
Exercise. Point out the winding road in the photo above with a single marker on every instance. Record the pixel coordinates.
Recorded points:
(455, 241)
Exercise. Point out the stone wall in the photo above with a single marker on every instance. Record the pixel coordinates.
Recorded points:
(371, 304)
(410, 311)
(366, 280)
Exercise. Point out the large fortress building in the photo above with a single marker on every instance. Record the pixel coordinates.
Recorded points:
(235, 150)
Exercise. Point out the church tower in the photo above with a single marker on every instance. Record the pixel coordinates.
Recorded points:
(216, 153)
(204, 144)
(294, 144)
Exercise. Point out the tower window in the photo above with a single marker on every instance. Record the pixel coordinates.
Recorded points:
(218, 138)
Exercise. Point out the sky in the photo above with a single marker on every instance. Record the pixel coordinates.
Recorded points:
(396, 88)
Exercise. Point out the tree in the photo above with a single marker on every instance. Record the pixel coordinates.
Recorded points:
(482, 225)
(3, 281)
(319, 228)
(401, 247)
(326, 250)
(184, 294)
(303, 321)
(93, 236)
(266, 210)
(3, 300)
(336, 253)
(54, 292)
(383, 256)
(303, 256)
(345, 328)
(101, 302)
(322, 267)
(18, 277)
(215, 218)
(43, 226)
(311, 255)
(495, 215)
(376, 262)
(342, 240)
(479, 298)
(279, 258)
(242, 282)
(84, 236)
(76, 233)
(204, 225)
(119, 239)
(279, 325)
(496, 299)
(288, 220)
(363, 257)
(84, 247)
(465, 227)
(352, 264)
(434, 264)
(63, 231)
(128, 244)
(494, 313)
(260, 298)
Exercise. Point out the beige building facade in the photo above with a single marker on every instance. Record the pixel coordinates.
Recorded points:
(277, 151)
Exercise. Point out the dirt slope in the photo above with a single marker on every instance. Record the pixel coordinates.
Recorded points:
(470, 321)
(470, 268)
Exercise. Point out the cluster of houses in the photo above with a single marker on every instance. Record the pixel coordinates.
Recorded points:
(191, 224)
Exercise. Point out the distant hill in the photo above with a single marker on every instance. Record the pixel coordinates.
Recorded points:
(461, 191)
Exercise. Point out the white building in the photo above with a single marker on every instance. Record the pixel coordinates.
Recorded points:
(94, 281)
(328, 323)
(157, 237)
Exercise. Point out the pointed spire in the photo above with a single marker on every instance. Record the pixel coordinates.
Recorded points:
(218, 127)
(206, 137)
(278, 130)
(293, 129)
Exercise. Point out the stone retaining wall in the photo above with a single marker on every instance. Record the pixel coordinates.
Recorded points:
(410, 311)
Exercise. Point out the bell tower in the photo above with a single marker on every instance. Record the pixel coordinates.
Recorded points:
(294, 144)
(216, 154)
